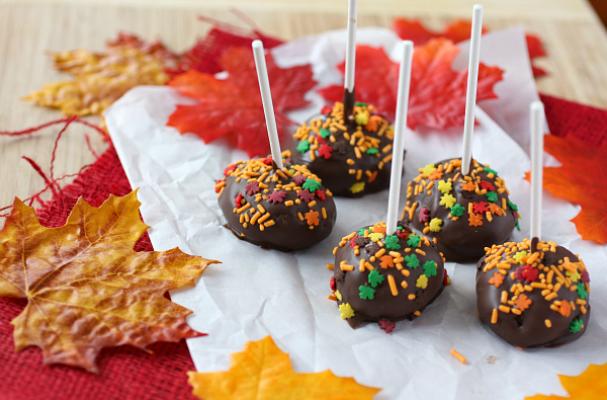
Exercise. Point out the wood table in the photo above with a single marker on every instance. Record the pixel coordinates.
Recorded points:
(575, 40)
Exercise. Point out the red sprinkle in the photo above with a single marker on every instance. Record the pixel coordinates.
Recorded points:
(487, 185)
(326, 110)
(321, 194)
(325, 151)
(238, 200)
(445, 278)
(424, 215)
(527, 273)
(332, 284)
(267, 160)
(480, 207)
(229, 169)
(387, 325)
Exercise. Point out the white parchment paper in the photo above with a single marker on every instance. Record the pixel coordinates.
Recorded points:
(258, 292)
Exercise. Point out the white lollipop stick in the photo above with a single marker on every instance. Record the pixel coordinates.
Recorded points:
(537, 152)
(402, 103)
(473, 60)
(350, 47)
(266, 99)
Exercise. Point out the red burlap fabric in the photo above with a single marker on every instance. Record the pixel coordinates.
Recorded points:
(132, 374)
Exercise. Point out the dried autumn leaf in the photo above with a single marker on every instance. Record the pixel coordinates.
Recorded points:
(99, 79)
(262, 371)
(581, 179)
(458, 31)
(85, 286)
(589, 385)
(231, 108)
(438, 93)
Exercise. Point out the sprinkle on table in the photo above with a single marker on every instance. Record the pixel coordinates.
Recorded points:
(458, 356)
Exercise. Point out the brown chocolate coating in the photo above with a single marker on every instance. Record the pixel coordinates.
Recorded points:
(281, 209)
(403, 288)
(351, 157)
(542, 319)
(478, 215)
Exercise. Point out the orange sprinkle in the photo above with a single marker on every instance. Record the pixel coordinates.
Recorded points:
(494, 316)
(392, 284)
(458, 356)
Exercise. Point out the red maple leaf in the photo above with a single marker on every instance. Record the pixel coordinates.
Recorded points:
(231, 108)
(581, 179)
(205, 54)
(414, 30)
(458, 31)
(438, 93)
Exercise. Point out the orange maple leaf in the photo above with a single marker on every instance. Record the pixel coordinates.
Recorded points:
(86, 288)
(589, 385)
(581, 179)
(263, 371)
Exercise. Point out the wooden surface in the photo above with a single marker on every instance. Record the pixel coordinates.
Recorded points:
(575, 40)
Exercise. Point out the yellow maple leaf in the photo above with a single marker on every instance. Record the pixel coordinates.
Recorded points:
(86, 288)
(589, 385)
(262, 371)
(99, 79)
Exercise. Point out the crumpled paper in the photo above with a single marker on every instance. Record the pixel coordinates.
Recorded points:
(257, 292)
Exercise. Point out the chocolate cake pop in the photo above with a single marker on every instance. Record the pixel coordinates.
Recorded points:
(462, 203)
(285, 209)
(348, 146)
(385, 272)
(533, 298)
(350, 161)
(465, 213)
(272, 202)
(385, 278)
(533, 293)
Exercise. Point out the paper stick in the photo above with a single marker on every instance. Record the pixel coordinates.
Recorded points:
(473, 60)
(402, 103)
(266, 99)
(350, 47)
(537, 151)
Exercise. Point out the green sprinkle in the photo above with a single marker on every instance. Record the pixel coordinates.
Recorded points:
(375, 278)
(429, 268)
(512, 206)
(457, 210)
(360, 104)
(391, 242)
(492, 197)
(324, 133)
(311, 185)
(412, 261)
(413, 240)
(303, 146)
(576, 325)
(490, 171)
(366, 292)
(581, 291)
(362, 231)
(372, 150)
